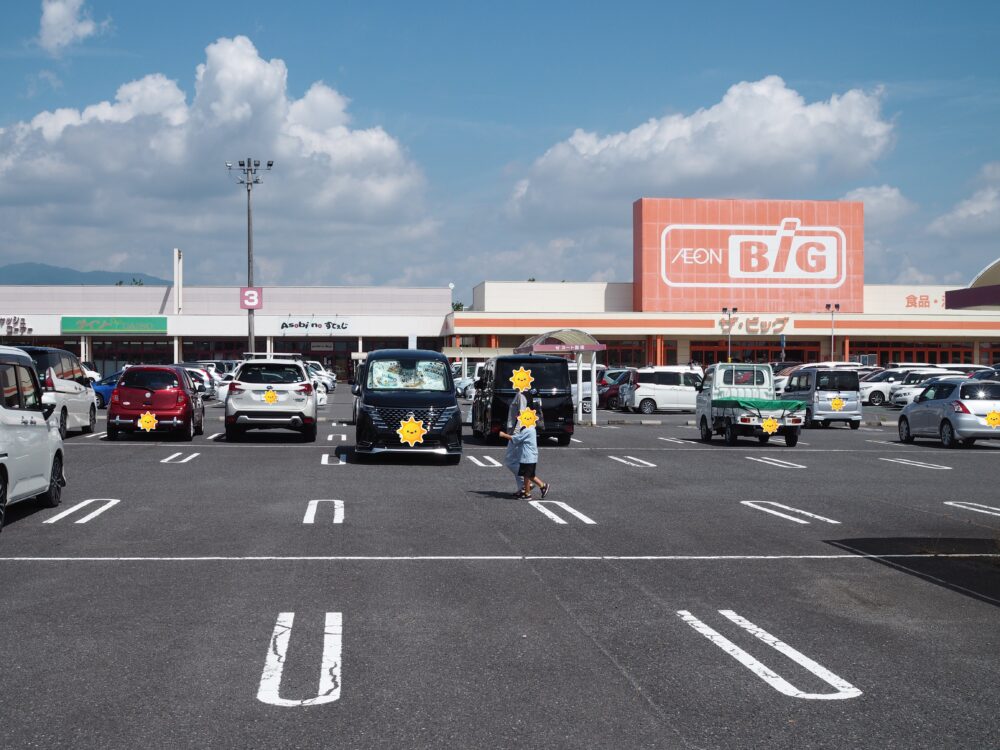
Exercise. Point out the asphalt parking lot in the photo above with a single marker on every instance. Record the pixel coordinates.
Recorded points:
(666, 594)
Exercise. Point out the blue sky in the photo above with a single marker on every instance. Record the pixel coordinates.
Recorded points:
(440, 146)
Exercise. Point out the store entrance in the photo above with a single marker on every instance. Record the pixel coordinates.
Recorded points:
(710, 352)
(933, 354)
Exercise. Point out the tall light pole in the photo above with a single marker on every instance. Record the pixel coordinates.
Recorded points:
(833, 310)
(247, 170)
(729, 331)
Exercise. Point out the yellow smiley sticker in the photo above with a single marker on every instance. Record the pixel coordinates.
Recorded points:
(769, 425)
(411, 431)
(527, 418)
(837, 404)
(147, 422)
(993, 419)
(522, 379)
(270, 397)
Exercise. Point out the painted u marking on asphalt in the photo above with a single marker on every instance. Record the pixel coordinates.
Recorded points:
(485, 462)
(336, 460)
(842, 688)
(277, 650)
(93, 435)
(756, 504)
(539, 505)
(338, 511)
(170, 459)
(975, 507)
(776, 462)
(109, 502)
(917, 464)
(633, 461)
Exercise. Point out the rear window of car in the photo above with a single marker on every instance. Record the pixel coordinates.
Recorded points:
(408, 374)
(980, 392)
(547, 375)
(837, 381)
(151, 380)
(270, 374)
(743, 376)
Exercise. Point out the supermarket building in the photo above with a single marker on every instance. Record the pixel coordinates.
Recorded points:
(772, 266)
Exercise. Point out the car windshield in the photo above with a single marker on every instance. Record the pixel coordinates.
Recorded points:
(837, 381)
(918, 377)
(408, 375)
(547, 376)
(980, 392)
(616, 377)
(272, 374)
(150, 380)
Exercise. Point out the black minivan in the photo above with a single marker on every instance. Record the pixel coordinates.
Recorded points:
(405, 403)
(550, 391)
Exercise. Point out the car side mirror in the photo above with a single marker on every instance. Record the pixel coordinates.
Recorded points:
(201, 388)
(355, 389)
(47, 410)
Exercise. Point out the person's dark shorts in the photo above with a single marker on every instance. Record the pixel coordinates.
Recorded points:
(526, 470)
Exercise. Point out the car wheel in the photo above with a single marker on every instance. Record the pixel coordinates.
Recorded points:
(763, 439)
(563, 440)
(62, 424)
(876, 398)
(587, 406)
(309, 433)
(233, 433)
(200, 429)
(3, 498)
(113, 433)
(905, 436)
(948, 439)
(855, 425)
(648, 406)
(792, 438)
(809, 419)
(91, 421)
(53, 495)
(826, 423)
(100, 400)
(187, 431)
(613, 403)
(706, 431)
(731, 435)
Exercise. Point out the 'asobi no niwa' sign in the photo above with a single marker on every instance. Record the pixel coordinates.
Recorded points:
(780, 256)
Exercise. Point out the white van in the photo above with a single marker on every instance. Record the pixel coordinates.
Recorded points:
(66, 386)
(31, 451)
(666, 388)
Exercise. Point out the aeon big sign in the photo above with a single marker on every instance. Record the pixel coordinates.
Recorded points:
(760, 256)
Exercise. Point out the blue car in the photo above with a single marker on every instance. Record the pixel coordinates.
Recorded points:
(104, 387)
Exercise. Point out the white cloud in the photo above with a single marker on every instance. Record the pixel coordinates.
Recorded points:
(884, 205)
(65, 22)
(761, 139)
(976, 215)
(144, 172)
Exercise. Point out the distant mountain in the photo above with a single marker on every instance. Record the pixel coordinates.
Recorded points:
(43, 274)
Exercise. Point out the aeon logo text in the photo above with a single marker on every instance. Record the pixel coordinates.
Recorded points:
(787, 255)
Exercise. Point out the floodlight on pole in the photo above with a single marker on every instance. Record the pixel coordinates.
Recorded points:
(729, 331)
(248, 176)
(833, 309)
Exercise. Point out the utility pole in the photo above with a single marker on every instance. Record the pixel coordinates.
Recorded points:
(248, 176)
(729, 332)
(833, 310)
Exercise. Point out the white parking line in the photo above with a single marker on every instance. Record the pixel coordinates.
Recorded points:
(214, 436)
(918, 464)
(509, 558)
(108, 503)
(538, 505)
(757, 503)
(170, 459)
(776, 462)
(975, 507)
(575, 440)
(843, 688)
(633, 461)
(337, 460)
(893, 443)
(338, 511)
(329, 674)
(673, 440)
(485, 462)
(93, 435)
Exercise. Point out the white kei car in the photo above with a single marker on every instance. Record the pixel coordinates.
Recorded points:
(31, 449)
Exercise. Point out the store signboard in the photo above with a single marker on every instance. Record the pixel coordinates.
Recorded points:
(314, 326)
(15, 325)
(114, 325)
(698, 255)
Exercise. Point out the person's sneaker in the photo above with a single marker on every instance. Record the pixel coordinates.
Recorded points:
(545, 489)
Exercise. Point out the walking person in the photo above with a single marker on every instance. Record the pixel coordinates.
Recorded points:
(511, 458)
(525, 442)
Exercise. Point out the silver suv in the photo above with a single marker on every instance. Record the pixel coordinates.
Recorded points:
(268, 393)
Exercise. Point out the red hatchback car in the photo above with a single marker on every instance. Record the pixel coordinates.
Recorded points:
(158, 398)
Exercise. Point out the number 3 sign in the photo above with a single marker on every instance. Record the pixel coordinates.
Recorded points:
(251, 298)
